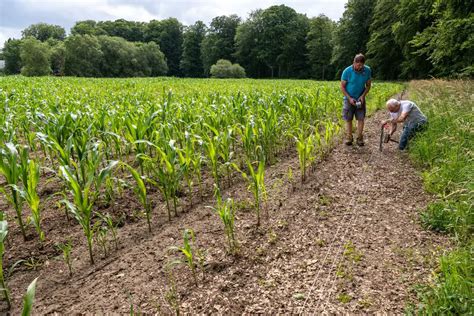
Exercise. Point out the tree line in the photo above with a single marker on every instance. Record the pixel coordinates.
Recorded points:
(402, 39)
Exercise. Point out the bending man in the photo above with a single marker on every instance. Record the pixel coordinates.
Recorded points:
(408, 113)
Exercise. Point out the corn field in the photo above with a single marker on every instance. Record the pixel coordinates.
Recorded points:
(176, 138)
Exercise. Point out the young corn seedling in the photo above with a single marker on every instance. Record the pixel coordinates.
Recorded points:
(10, 168)
(226, 211)
(100, 235)
(66, 249)
(305, 147)
(211, 146)
(29, 299)
(189, 253)
(3, 235)
(30, 176)
(171, 295)
(186, 158)
(142, 194)
(111, 227)
(256, 179)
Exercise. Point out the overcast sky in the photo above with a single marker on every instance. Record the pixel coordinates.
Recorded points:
(16, 15)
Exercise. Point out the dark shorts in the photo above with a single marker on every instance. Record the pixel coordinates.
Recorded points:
(349, 111)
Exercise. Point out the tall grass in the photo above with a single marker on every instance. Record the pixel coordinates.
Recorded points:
(445, 152)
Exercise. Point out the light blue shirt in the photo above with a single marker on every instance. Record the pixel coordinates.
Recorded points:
(356, 80)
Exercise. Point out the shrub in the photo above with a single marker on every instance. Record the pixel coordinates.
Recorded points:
(225, 69)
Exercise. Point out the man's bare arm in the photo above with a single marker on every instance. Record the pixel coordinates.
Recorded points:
(344, 91)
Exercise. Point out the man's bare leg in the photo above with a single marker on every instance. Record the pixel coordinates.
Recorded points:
(349, 132)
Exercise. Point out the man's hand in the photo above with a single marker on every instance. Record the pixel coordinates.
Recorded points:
(385, 122)
(352, 101)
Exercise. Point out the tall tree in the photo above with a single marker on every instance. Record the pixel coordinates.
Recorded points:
(44, 31)
(168, 34)
(384, 53)
(413, 17)
(119, 57)
(83, 56)
(247, 42)
(191, 61)
(220, 40)
(352, 33)
(35, 57)
(272, 43)
(449, 41)
(320, 47)
(58, 57)
(151, 60)
(11, 55)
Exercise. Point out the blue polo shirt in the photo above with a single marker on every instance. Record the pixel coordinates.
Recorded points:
(356, 80)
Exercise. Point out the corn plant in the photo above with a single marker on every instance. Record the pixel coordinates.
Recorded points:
(30, 176)
(108, 221)
(305, 145)
(142, 194)
(186, 158)
(85, 195)
(167, 171)
(188, 252)
(256, 180)
(10, 168)
(211, 146)
(226, 211)
(29, 299)
(3, 235)
(100, 233)
(66, 249)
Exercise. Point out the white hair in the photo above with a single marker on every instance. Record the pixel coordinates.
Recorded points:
(393, 103)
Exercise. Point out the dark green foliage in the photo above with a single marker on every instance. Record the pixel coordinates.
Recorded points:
(320, 46)
(352, 33)
(220, 41)
(11, 54)
(44, 31)
(35, 57)
(191, 61)
(130, 30)
(385, 56)
(83, 56)
(119, 57)
(151, 60)
(87, 27)
(58, 58)
(272, 43)
(449, 41)
(168, 34)
(413, 17)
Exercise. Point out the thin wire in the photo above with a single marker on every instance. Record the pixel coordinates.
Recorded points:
(327, 253)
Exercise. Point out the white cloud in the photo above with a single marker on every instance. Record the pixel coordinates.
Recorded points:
(8, 32)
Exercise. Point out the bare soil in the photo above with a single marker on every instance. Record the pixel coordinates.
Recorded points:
(346, 241)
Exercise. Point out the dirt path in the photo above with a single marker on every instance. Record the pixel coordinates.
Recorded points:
(348, 240)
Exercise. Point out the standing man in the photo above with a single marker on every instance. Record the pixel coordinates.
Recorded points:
(355, 84)
(408, 113)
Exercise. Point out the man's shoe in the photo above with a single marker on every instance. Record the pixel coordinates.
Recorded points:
(360, 141)
(348, 141)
